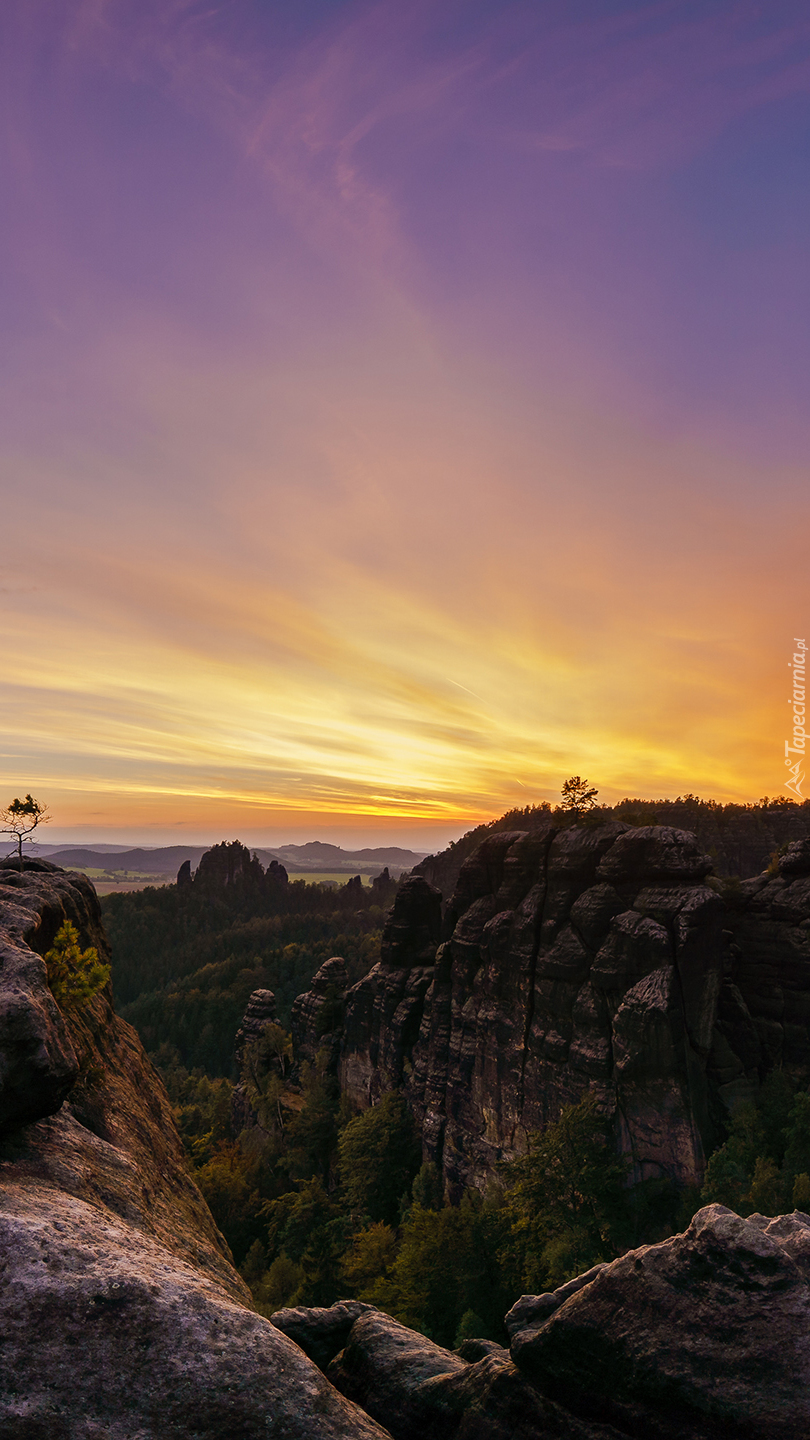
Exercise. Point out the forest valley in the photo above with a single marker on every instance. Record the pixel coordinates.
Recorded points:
(318, 1202)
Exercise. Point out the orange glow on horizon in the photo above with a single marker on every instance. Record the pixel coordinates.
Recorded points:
(350, 482)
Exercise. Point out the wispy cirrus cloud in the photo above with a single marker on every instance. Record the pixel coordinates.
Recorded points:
(385, 428)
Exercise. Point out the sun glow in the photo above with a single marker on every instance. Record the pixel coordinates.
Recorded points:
(380, 451)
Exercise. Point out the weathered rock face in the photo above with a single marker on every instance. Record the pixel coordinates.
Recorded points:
(769, 972)
(590, 958)
(229, 866)
(321, 1331)
(260, 1012)
(705, 1336)
(107, 1333)
(38, 1064)
(120, 1311)
(308, 1017)
(113, 1140)
(384, 1011)
(419, 1391)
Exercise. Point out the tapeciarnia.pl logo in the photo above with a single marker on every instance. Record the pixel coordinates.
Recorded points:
(798, 747)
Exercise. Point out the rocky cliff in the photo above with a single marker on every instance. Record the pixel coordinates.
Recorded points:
(121, 1316)
(600, 958)
(120, 1312)
(739, 838)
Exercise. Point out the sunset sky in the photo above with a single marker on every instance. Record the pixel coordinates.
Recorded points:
(404, 406)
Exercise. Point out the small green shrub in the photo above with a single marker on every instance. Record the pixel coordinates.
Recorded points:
(470, 1327)
(74, 975)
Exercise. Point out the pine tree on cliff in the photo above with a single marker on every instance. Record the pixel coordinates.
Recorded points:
(20, 819)
(578, 796)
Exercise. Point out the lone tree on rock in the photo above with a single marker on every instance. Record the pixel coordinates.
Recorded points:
(577, 797)
(20, 818)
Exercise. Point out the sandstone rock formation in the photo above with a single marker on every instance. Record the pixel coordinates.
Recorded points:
(311, 1028)
(705, 1336)
(121, 1316)
(321, 1331)
(769, 971)
(740, 839)
(260, 1012)
(229, 866)
(419, 1391)
(587, 958)
(120, 1312)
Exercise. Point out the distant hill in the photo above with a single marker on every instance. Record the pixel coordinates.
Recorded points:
(319, 855)
(102, 848)
(166, 861)
(310, 858)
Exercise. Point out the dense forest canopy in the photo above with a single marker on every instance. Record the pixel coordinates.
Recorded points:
(187, 957)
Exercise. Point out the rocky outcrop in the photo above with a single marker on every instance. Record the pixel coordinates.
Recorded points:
(768, 975)
(705, 1334)
(120, 1311)
(39, 1062)
(229, 867)
(531, 1310)
(321, 1331)
(594, 958)
(702, 1337)
(739, 838)
(259, 1013)
(316, 1020)
(417, 1389)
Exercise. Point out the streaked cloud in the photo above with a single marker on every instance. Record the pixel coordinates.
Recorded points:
(376, 441)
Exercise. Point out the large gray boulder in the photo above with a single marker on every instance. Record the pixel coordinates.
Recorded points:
(108, 1334)
(703, 1336)
(419, 1391)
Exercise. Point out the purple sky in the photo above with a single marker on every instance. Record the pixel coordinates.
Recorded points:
(403, 408)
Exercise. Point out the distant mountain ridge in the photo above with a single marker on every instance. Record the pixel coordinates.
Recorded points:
(314, 856)
(318, 853)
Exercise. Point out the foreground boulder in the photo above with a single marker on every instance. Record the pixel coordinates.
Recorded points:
(121, 1315)
(107, 1334)
(321, 1331)
(704, 1335)
(419, 1391)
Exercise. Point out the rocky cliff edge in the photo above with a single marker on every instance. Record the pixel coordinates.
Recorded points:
(592, 958)
(121, 1315)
